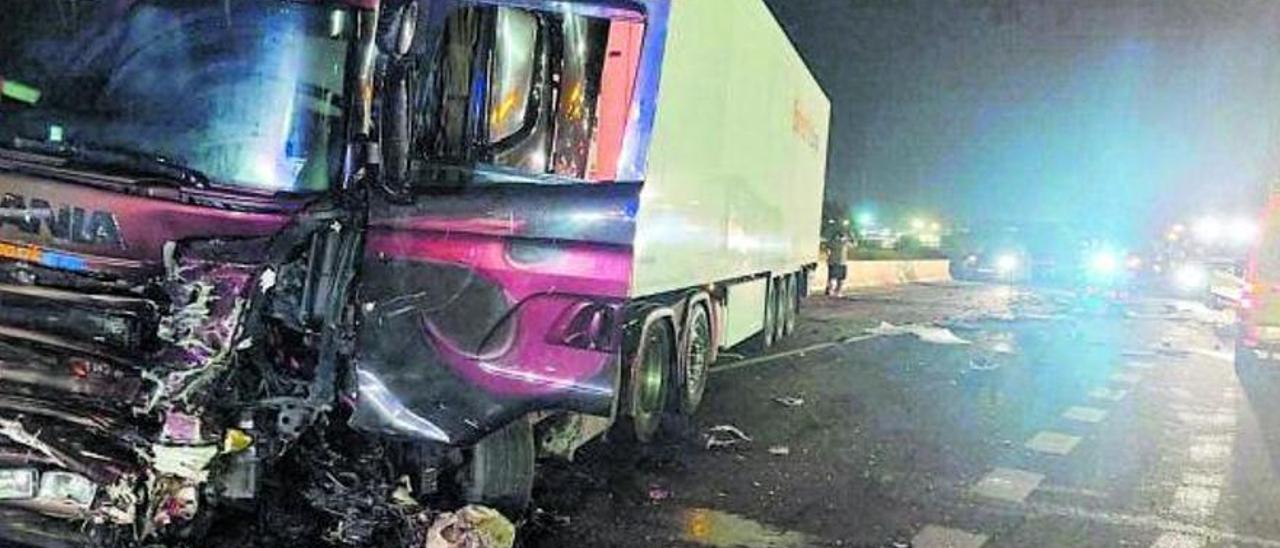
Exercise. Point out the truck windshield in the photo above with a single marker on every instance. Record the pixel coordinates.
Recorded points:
(247, 92)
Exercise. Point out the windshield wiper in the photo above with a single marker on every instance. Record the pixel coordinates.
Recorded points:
(126, 160)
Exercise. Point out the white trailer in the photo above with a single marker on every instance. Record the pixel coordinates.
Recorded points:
(736, 168)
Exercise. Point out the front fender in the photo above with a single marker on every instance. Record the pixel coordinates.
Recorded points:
(454, 358)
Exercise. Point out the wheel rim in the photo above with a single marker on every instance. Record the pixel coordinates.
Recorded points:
(696, 361)
(790, 303)
(651, 379)
(779, 313)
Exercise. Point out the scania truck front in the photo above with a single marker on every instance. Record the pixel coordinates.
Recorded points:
(356, 250)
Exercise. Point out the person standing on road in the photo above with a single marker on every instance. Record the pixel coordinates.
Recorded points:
(837, 256)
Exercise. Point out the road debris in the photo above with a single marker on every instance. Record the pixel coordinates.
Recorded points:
(472, 526)
(725, 435)
(780, 450)
(926, 333)
(658, 493)
(983, 363)
(789, 401)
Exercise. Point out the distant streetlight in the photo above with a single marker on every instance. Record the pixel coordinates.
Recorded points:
(917, 224)
(1208, 229)
(935, 227)
(866, 219)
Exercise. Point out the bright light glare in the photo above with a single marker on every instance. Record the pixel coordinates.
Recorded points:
(1208, 229)
(1006, 264)
(1243, 230)
(917, 224)
(1104, 263)
(1190, 277)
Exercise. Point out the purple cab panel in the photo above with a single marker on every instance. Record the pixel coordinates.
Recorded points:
(483, 306)
(82, 228)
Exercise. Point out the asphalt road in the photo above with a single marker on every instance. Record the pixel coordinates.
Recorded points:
(1061, 423)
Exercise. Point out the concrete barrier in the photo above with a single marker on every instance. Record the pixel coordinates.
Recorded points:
(885, 273)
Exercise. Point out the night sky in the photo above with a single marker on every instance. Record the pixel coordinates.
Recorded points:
(1122, 113)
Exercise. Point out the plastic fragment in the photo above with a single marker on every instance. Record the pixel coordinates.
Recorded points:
(725, 435)
(472, 526)
(789, 401)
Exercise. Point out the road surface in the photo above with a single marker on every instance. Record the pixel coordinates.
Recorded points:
(1062, 423)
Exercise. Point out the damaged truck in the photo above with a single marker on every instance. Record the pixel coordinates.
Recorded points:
(280, 269)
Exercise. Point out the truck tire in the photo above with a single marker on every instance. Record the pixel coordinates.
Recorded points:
(696, 355)
(790, 304)
(778, 298)
(650, 380)
(499, 470)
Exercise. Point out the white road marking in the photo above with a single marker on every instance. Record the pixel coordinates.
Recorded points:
(774, 357)
(1053, 443)
(1085, 414)
(1126, 378)
(1204, 479)
(1178, 540)
(1147, 522)
(1072, 491)
(1208, 420)
(1108, 394)
(1214, 354)
(1195, 501)
(1201, 453)
(771, 357)
(1008, 484)
(936, 536)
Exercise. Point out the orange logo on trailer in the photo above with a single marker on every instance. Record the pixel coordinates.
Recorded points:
(802, 126)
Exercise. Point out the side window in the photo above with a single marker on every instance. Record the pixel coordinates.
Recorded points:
(514, 51)
(528, 91)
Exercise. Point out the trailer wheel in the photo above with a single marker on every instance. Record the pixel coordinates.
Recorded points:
(789, 306)
(778, 298)
(651, 381)
(499, 470)
(697, 352)
(761, 341)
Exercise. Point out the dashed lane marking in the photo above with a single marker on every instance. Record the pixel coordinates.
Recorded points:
(1126, 378)
(1178, 540)
(1071, 491)
(1008, 484)
(1148, 523)
(1195, 501)
(1214, 354)
(1085, 414)
(936, 536)
(1053, 443)
(1204, 479)
(1108, 394)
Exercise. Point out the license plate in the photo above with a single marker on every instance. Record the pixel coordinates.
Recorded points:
(68, 487)
(19, 483)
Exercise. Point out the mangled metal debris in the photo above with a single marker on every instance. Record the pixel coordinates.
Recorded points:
(725, 435)
(471, 527)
